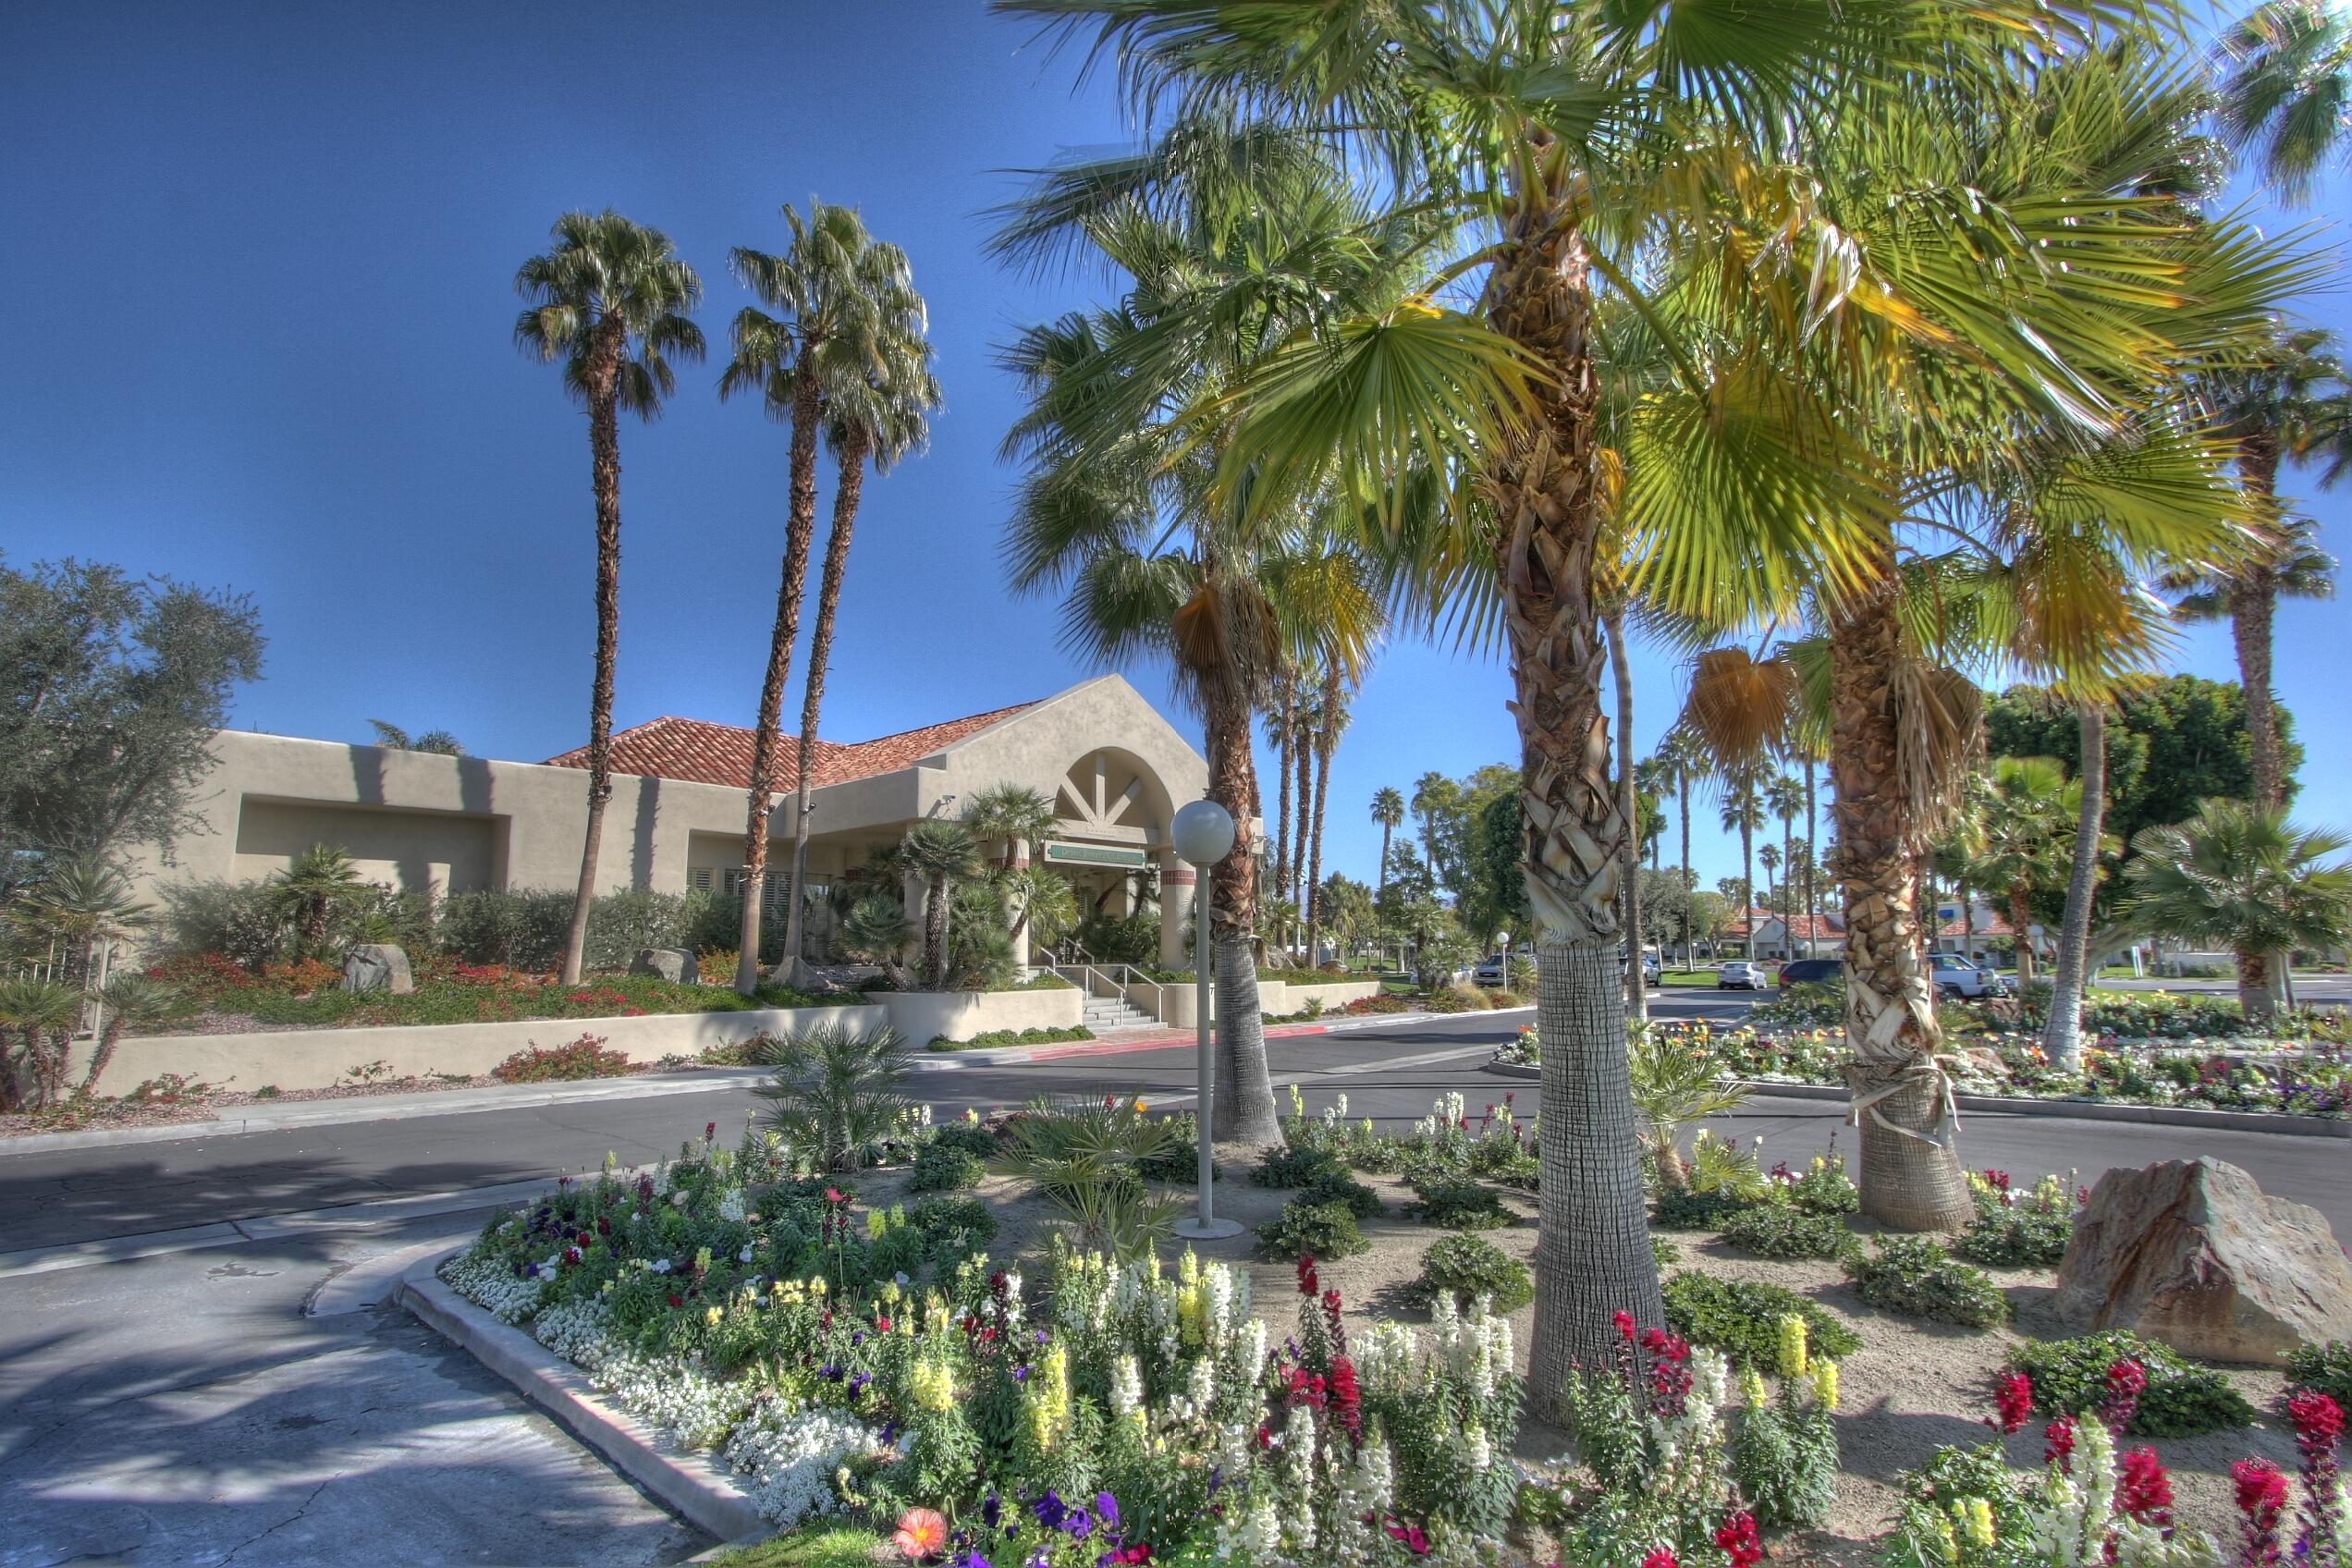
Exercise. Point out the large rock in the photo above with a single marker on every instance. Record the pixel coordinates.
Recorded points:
(2191, 1253)
(674, 964)
(378, 966)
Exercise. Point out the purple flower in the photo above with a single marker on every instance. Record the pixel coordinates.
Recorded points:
(1107, 1506)
(1020, 1374)
(1051, 1510)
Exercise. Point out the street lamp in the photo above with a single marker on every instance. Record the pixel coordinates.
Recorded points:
(1203, 835)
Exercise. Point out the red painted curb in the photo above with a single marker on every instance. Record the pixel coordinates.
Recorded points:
(1157, 1043)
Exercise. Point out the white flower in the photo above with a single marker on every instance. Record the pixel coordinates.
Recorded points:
(744, 1255)
(661, 1266)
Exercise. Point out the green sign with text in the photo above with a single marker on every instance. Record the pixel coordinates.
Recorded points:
(1094, 854)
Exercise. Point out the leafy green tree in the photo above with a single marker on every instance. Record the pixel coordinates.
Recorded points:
(1493, 896)
(609, 301)
(433, 742)
(110, 690)
(1436, 803)
(831, 300)
(2246, 878)
(2286, 95)
(1347, 911)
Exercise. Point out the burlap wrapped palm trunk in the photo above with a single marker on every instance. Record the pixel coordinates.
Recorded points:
(1911, 1176)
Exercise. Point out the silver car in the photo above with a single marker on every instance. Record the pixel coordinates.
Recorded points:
(1741, 976)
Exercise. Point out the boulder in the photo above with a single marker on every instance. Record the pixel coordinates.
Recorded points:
(674, 964)
(378, 966)
(2192, 1252)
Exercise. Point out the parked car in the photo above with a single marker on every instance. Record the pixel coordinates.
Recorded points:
(1489, 970)
(1811, 972)
(1653, 969)
(1956, 976)
(1741, 976)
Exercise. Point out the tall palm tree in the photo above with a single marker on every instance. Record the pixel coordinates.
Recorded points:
(2245, 876)
(1685, 759)
(1306, 722)
(831, 299)
(1509, 121)
(941, 854)
(1784, 797)
(1388, 810)
(1330, 719)
(1121, 510)
(611, 300)
(1742, 814)
(879, 420)
(1281, 729)
(1654, 776)
(1432, 793)
(2287, 93)
(434, 742)
(1016, 814)
(2285, 401)
(1629, 915)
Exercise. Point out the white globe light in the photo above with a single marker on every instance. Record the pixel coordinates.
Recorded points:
(1202, 833)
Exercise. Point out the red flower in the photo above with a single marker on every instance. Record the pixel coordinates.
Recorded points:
(1737, 1538)
(1662, 1557)
(881, 1325)
(2261, 1491)
(1347, 1395)
(1415, 1540)
(2012, 1402)
(2319, 1422)
(2058, 1443)
(835, 1194)
(1308, 1284)
(2143, 1492)
(676, 1300)
(1625, 1321)
(2127, 1381)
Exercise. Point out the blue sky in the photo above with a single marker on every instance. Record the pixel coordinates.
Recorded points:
(264, 256)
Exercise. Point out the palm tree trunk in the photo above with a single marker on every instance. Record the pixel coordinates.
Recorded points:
(1593, 1255)
(1326, 739)
(1285, 728)
(2061, 1037)
(2021, 922)
(1812, 861)
(1382, 892)
(845, 495)
(2251, 606)
(1304, 751)
(1244, 1108)
(1629, 808)
(1690, 885)
(934, 934)
(799, 528)
(1748, 883)
(2257, 988)
(603, 453)
(1911, 1175)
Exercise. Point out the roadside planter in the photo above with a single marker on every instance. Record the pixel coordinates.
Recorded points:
(319, 1058)
(1279, 997)
(959, 1015)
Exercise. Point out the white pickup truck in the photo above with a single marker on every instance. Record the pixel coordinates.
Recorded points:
(1956, 976)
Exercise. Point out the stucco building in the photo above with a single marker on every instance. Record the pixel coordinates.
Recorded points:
(1114, 768)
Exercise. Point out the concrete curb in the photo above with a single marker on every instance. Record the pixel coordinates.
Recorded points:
(2077, 1111)
(689, 1483)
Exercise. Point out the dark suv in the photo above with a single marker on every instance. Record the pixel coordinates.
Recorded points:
(1811, 971)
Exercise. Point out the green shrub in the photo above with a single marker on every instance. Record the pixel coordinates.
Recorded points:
(954, 1225)
(1039, 1036)
(972, 1138)
(1680, 1208)
(2012, 1238)
(2324, 1370)
(1338, 1186)
(1458, 1203)
(2069, 1377)
(1472, 1266)
(1178, 1159)
(1825, 1188)
(944, 1167)
(584, 1057)
(1120, 938)
(1779, 1230)
(1913, 1276)
(1664, 1253)
(1305, 1230)
(1289, 1167)
(1741, 1318)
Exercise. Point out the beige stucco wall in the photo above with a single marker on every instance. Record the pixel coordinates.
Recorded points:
(1275, 997)
(454, 823)
(318, 1059)
(923, 1016)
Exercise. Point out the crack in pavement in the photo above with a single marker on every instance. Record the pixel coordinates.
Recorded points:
(289, 1519)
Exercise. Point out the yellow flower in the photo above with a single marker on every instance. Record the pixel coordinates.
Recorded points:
(1793, 1357)
(1825, 1384)
(1977, 1527)
(931, 1385)
(711, 1316)
(1751, 1388)
(1141, 1106)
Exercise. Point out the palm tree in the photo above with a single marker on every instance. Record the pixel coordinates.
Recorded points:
(1629, 915)
(1388, 810)
(126, 1002)
(435, 742)
(1120, 510)
(1281, 733)
(610, 300)
(832, 297)
(1744, 814)
(1768, 857)
(44, 1014)
(308, 892)
(2022, 839)
(81, 904)
(2061, 1031)
(1330, 719)
(2244, 877)
(1684, 757)
(1784, 797)
(1508, 122)
(2286, 403)
(942, 853)
(2287, 92)
(1021, 818)
(875, 929)
(882, 418)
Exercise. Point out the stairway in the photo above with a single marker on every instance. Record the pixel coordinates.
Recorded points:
(1105, 1014)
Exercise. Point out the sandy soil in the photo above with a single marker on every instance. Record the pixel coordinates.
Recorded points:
(1912, 1388)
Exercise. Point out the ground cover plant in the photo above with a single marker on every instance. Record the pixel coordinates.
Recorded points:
(1916, 1278)
(1741, 1317)
(2174, 1398)
(1036, 1036)
(1774, 1230)
(1471, 1267)
(2017, 1227)
(587, 1057)
(2323, 1369)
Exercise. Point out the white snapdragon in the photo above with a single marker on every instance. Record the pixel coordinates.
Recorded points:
(732, 1207)
(1127, 1389)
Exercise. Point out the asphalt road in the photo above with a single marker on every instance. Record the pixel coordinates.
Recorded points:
(1389, 1071)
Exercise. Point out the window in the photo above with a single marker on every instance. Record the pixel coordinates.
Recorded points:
(699, 879)
(772, 891)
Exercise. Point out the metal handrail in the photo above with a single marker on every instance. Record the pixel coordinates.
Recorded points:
(1087, 975)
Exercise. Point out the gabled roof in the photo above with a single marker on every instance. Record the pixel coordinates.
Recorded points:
(1985, 925)
(695, 750)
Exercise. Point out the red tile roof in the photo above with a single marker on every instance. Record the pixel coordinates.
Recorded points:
(1986, 925)
(698, 752)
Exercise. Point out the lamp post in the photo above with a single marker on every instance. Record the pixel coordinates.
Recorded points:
(1202, 834)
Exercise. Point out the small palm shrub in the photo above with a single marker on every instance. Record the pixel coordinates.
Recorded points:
(1458, 1203)
(1338, 1186)
(838, 1095)
(1741, 1318)
(584, 1057)
(1305, 1229)
(1913, 1276)
(1471, 1267)
(2325, 1369)
(2070, 1377)
(1779, 1230)
(944, 1168)
(1087, 1155)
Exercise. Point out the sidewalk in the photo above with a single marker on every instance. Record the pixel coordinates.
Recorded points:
(696, 1081)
